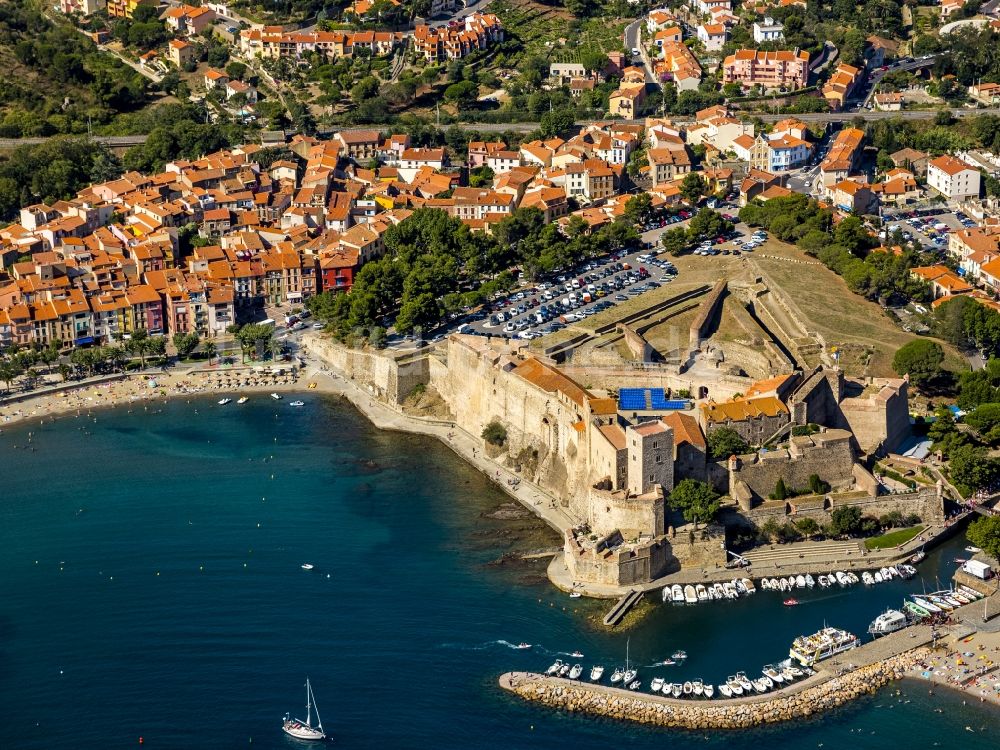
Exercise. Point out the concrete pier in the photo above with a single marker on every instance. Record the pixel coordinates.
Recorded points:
(621, 608)
(839, 680)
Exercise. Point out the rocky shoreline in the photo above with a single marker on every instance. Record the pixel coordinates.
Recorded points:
(597, 700)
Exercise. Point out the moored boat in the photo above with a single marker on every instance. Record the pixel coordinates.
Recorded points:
(810, 581)
(304, 730)
(224, 401)
(708, 690)
(748, 586)
(554, 668)
(930, 607)
(725, 691)
(772, 673)
(677, 592)
(243, 399)
(575, 672)
(656, 685)
(690, 595)
(596, 673)
(916, 609)
(800, 581)
(687, 688)
(888, 622)
(276, 396)
(676, 689)
(809, 649)
(616, 676)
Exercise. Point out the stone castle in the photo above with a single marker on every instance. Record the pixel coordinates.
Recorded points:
(613, 474)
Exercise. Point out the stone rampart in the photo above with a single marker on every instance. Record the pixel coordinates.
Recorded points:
(636, 343)
(388, 376)
(703, 322)
(828, 454)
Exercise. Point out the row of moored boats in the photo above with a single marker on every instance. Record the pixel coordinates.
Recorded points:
(772, 676)
(702, 592)
(838, 578)
(925, 605)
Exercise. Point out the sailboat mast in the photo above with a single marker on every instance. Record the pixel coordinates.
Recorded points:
(308, 703)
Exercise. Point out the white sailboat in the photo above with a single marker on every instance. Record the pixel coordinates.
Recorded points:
(304, 730)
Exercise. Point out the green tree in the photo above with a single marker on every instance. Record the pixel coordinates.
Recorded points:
(972, 469)
(807, 526)
(697, 501)
(985, 534)
(920, 359)
(725, 442)
(674, 241)
(209, 350)
(780, 491)
(639, 208)
(846, 520)
(185, 343)
(693, 187)
(495, 434)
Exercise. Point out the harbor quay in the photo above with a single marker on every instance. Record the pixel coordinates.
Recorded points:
(867, 669)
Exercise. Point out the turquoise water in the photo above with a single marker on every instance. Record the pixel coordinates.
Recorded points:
(151, 587)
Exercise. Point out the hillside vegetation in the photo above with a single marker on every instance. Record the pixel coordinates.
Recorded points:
(55, 79)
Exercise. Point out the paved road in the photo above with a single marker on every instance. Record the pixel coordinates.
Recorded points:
(633, 40)
(907, 65)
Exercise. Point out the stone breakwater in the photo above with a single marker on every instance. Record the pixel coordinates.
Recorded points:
(598, 700)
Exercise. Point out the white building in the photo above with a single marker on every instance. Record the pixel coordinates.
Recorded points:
(768, 30)
(712, 35)
(953, 178)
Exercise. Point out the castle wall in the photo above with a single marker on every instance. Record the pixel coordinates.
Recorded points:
(702, 324)
(641, 349)
(754, 430)
(634, 516)
(480, 391)
(817, 399)
(386, 376)
(832, 458)
(926, 502)
(882, 419)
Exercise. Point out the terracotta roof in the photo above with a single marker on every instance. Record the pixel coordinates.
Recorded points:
(550, 379)
(739, 410)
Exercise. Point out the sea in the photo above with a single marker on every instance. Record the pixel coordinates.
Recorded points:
(152, 594)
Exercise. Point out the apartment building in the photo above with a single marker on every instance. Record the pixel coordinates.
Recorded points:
(780, 69)
(953, 178)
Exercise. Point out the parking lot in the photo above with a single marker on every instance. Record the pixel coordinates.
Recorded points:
(596, 285)
(928, 226)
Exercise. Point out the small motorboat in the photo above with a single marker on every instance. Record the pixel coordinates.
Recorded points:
(701, 592)
(697, 687)
(629, 676)
(917, 557)
(523, 645)
(731, 592)
(959, 560)
(679, 655)
(575, 595)
(596, 673)
(744, 681)
(767, 681)
(794, 671)
(926, 605)
(223, 402)
(634, 685)
(734, 686)
(676, 690)
(667, 688)
(725, 691)
(800, 582)
(759, 685)
(243, 399)
(575, 672)
(687, 688)
(748, 586)
(690, 595)
(810, 581)
(564, 670)
(276, 396)
(773, 674)
(879, 578)
(656, 685)
(677, 593)
(720, 593)
(554, 668)
(576, 655)
(790, 602)
(708, 690)
(307, 566)
(617, 675)
(824, 582)
(867, 579)
(973, 550)
(297, 403)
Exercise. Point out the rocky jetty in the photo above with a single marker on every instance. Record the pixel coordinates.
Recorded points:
(828, 692)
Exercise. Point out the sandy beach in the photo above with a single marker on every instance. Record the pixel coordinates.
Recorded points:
(970, 664)
(149, 388)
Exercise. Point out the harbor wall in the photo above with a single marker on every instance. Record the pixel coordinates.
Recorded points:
(388, 376)
(614, 703)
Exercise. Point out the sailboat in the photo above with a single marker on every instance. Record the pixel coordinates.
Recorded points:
(305, 730)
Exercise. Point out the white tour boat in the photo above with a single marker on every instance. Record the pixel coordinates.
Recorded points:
(304, 730)
(809, 649)
(888, 622)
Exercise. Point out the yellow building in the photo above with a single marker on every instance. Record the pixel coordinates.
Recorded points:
(125, 8)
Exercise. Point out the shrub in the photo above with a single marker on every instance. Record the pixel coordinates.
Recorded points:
(495, 434)
(807, 526)
(817, 485)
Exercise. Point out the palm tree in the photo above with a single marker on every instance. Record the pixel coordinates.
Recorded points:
(64, 371)
(209, 349)
(8, 372)
(117, 357)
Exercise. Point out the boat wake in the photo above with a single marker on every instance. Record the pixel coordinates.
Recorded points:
(500, 642)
